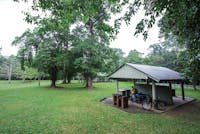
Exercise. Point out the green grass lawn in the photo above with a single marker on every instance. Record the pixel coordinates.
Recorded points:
(27, 108)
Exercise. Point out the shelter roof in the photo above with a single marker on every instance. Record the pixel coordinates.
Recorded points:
(138, 71)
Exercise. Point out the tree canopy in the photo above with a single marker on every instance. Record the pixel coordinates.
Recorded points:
(179, 19)
(77, 33)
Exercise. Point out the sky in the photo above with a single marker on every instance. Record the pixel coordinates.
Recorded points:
(127, 41)
(12, 24)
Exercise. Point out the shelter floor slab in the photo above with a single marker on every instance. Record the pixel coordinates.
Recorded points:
(137, 108)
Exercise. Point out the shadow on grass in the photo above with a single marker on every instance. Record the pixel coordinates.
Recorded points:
(71, 87)
(190, 111)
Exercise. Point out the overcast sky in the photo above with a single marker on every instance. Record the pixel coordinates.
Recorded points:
(12, 24)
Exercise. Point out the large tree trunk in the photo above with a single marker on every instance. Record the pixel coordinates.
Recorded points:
(88, 83)
(53, 83)
(68, 80)
(91, 29)
(53, 77)
(64, 80)
(64, 74)
(69, 77)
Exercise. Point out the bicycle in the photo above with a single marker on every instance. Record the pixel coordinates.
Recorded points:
(147, 103)
(160, 105)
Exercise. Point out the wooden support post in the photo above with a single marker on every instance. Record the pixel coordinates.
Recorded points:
(114, 99)
(182, 89)
(153, 91)
(117, 86)
(171, 93)
(170, 85)
(170, 88)
(147, 82)
(134, 82)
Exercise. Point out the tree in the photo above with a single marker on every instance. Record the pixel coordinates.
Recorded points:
(44, 47)
(134, 57)
(28, 43)
(90, 58)
(47, 58)
(69, 69)
(184, 24)
(189, 67)
(3, 67)
(8, 67)
(164, 54)
(29, 73)
(92, 15)
(180, 18)
(114, 60)
(1, 58)
(176, 16)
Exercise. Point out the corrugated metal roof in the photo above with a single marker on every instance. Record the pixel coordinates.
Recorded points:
(156, 73)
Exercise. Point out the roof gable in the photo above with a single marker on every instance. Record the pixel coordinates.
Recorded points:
(127, 72)
(138, 71)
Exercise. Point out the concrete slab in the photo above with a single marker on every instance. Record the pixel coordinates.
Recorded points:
(177, 100)
(137, 107)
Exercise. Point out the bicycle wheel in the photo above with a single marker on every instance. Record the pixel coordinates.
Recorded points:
(146, 105)
(161, 106)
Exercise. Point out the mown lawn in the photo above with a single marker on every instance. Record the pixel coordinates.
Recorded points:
(27, 108)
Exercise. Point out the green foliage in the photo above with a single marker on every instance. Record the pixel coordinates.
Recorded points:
(189, 67)
(163, 54)
(28, 73)
(184, 24)
(86, 49)
(134, 57)
(180, 19)
(90, 56)
(114, 60)
(28, 42)
(53, 53)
